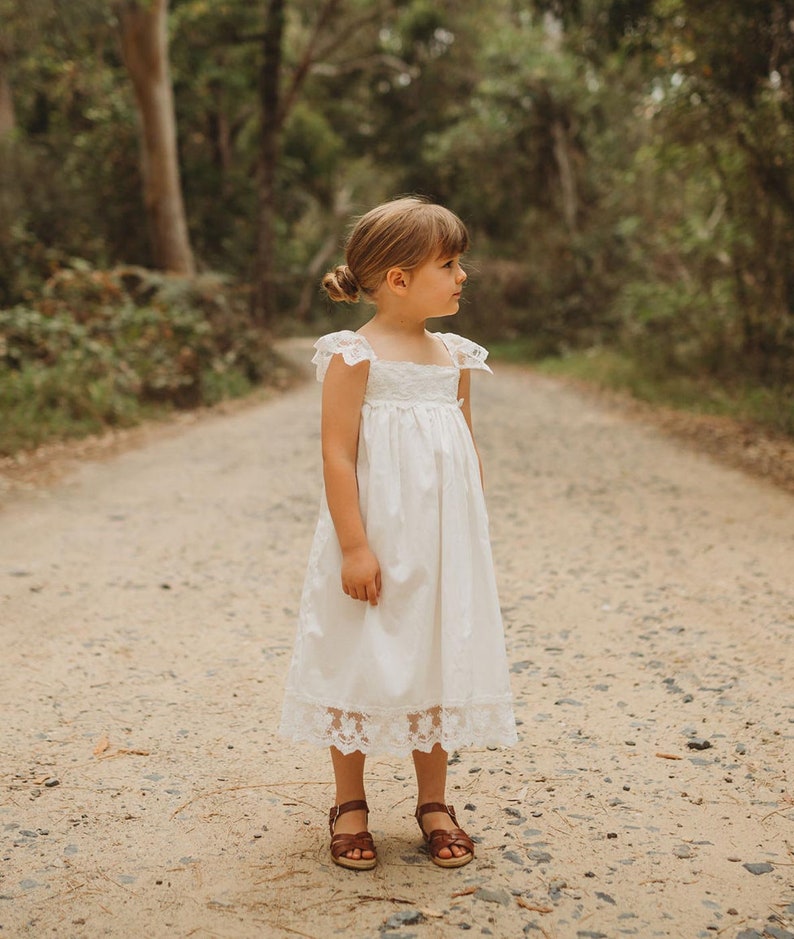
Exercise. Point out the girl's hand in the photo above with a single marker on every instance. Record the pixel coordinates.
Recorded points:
(361, 575)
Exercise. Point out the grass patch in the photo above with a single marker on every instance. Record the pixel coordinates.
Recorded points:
(40, 404)
(767, 407)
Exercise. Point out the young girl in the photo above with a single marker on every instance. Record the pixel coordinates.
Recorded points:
(400, 645)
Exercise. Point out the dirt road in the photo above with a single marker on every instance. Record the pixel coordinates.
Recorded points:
(147, 609)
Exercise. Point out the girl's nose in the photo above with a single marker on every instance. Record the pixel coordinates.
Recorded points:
(462, 275)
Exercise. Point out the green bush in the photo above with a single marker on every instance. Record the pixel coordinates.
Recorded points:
(101, 348)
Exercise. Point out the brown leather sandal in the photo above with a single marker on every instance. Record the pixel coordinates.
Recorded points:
(439, 838)
(341, 844)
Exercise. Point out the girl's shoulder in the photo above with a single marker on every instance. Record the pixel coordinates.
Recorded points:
(464, 352)
(351, 346)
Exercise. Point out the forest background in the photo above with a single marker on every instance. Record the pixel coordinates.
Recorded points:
(174, 178)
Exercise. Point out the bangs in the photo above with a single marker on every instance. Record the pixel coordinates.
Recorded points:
(451, 236)
(434, 233)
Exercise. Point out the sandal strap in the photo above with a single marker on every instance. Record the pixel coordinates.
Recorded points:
(434, 807)
(439, 839)
(341, 844)
(357, 805)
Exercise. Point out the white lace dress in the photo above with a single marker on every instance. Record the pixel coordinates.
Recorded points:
(427, 664)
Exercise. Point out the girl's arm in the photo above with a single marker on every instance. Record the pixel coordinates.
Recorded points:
(464, 394)
(343, 395)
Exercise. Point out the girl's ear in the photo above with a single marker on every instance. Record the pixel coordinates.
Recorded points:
(396, 279)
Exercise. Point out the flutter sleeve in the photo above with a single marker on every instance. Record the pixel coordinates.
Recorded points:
(352, 347)
(464, 352)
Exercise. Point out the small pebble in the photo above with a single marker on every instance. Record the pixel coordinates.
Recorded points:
(763, 868)
(605, 897)
(699, 744)
(404, 918)
(502, 897)
(777, 932)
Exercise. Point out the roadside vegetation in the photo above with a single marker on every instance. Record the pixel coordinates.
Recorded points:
(108, 349)
(742, 400)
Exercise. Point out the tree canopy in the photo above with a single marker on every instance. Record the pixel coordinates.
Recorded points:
(626, 167)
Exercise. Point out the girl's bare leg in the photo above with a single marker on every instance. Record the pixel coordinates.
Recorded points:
(349, 777)
(431, 780)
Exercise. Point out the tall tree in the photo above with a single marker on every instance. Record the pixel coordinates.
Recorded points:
(144, 41)
(8, 120)
(7, 114)
(272, 121)
(277, 99)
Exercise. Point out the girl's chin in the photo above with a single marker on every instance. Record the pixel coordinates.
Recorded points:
(451, 311)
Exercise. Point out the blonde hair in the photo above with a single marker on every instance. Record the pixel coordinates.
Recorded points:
(402, 233)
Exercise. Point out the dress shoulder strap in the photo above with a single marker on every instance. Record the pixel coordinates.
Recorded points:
(352, 347)
(464, 352)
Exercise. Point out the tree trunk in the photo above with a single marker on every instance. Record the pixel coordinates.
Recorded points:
(263, 297)
(570, 202)
(8, 121)
(144, 42)
(340, 214)
(275, 106)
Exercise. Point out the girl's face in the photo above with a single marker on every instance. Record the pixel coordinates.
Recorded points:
(434, 288)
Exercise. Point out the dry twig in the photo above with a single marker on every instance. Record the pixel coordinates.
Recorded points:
(533, 907)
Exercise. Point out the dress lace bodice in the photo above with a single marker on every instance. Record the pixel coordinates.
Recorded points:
(409, 385)
(402, 382)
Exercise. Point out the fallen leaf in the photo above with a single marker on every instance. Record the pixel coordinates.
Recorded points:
(102, 744)
(465, 893)
(531, 906)
(669, 756)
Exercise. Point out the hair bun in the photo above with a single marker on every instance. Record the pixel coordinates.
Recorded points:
(341, 285)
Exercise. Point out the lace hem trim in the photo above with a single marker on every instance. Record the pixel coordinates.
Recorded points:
(398, 732)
